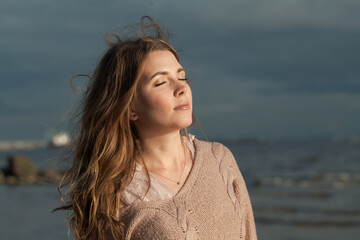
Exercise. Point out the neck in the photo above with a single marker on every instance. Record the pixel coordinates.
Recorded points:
(162, 152)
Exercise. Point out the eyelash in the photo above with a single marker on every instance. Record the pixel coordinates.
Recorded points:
(182, 79)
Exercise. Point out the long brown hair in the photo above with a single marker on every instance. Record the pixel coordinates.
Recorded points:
(106, 143)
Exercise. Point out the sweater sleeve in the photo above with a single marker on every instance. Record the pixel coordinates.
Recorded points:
(237, 190)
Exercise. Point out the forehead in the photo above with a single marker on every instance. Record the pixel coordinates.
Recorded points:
(159, 60)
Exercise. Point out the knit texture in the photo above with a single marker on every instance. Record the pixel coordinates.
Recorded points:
(213, 203)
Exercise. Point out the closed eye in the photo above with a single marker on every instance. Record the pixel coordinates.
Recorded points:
(181, 79)
(185, 79)
(156, 85)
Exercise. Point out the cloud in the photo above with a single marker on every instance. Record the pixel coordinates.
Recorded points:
(245, 56)
(276, 14)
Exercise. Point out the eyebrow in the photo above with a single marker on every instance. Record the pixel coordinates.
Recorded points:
(165, 73)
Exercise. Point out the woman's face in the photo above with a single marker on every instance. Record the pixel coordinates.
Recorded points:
(164, 100)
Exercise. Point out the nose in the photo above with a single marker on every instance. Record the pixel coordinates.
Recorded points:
(180, 89)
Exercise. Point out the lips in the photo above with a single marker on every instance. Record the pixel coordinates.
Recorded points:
(184, 106)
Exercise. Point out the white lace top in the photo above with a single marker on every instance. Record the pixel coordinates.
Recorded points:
(158, 190)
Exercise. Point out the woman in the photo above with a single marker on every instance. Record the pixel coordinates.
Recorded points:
(137, 173)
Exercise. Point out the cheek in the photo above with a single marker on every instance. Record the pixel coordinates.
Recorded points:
(160, 103)
(156, 104)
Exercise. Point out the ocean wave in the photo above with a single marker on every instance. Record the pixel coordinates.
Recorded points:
(308, 223)
(340, 180)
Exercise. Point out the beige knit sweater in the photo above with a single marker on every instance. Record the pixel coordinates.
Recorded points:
(213, 203)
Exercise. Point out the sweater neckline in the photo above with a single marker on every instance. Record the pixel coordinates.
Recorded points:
(192, 176)
(181, 195)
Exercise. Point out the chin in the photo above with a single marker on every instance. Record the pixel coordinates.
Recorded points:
(187, 123)
(184, 123)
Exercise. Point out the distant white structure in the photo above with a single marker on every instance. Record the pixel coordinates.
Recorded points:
(21, 145)
(60, 140)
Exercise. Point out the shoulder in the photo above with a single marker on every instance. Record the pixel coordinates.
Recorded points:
(220, 151)
(215, 149)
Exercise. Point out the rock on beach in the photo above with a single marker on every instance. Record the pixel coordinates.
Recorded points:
(22, 170)
(2, 176)
(21, 166)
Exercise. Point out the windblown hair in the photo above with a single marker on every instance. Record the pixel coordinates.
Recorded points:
(107, 143)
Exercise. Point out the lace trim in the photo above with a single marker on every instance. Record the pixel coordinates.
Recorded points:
(158, 191)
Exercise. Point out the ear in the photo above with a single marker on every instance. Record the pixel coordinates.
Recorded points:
(133, 116)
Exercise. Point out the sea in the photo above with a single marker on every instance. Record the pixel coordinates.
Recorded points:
(299, 189)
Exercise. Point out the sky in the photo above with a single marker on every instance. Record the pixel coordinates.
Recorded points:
(272, 69)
